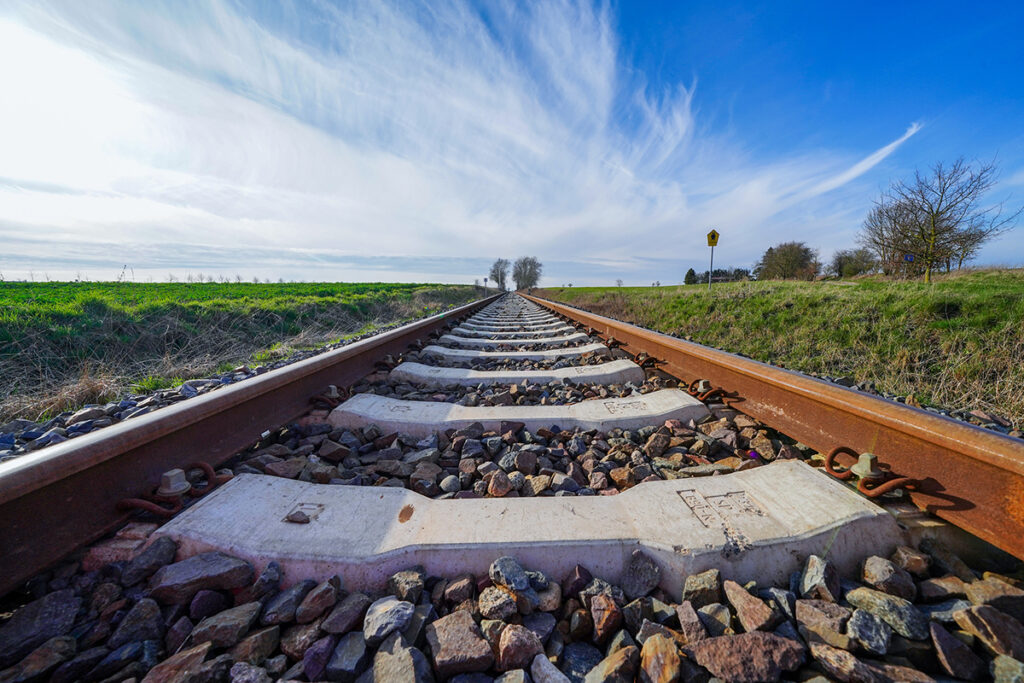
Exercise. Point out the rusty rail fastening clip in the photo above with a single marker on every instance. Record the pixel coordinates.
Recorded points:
(702, 390)
(644, 360)
(873, 479)
(172, 490)
(331, 398)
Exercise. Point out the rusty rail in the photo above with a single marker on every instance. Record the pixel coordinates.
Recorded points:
(971, 477)
(64, 496)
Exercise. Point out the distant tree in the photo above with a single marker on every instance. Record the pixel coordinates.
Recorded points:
(938, 218)
(850, 262)
(690, 278)
(255, 280)
(171, 278)
(788, 261)
(526, 272)
(499, 273)
(476, 283)
(618, 283)
(238, 277)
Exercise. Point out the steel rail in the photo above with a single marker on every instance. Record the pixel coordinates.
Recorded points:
(64, 496)
(971, 477)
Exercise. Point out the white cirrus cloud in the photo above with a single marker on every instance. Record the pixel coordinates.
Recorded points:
(444, 130)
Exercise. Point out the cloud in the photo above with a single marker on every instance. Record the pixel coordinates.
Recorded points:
(370, 128)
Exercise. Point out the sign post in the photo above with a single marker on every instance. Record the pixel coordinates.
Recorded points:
(485, 284)
(712, 242)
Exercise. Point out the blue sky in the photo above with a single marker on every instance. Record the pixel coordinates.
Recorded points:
(419, 141)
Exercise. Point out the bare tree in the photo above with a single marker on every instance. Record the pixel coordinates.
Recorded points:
(618, 283)
(937, 218)
(526, 272)
(499, 273)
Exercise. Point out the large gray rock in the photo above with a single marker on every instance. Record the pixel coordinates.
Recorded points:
(281, 608)
(505, 571)
(347, 613)
(578, 659)
(396, 661)
(40, 661)
(177, 583)
(158, 554)
(543, 671)
(900, 614)
(386, 616)
(349, 659)
(869, 632)
(143, 622)
(35, 623)
(819, 580)
(228, 627)
(703, 589)
(641, 576)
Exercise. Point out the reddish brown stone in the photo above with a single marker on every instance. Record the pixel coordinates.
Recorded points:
(659, 660)
(517, 647)
(820, 612)
(752, 612)
(459, 589)
(607, 617)
(500, 485)
(756, 656)
(883, 575)
(618, 667)
(297, 639)
(179, 667)
(999, 594)
(942, 588)
(999, 633)
(457, 645)
(289, 469)
(690, 624)
(956, 658)
(843, 666)
(913, 561)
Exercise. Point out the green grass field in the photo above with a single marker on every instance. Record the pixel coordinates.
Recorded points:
(65, 343)
(958, 342)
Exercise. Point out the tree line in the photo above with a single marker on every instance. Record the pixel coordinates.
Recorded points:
(935, 221)
(526, 272)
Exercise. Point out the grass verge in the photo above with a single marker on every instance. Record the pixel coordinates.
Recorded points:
(63, 344)
(958, 342)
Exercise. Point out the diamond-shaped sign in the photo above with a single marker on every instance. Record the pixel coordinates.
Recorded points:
(713, 238)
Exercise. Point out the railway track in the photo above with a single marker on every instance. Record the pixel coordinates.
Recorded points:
(523, 428)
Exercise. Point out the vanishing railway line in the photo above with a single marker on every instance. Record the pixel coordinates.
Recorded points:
(440, 433)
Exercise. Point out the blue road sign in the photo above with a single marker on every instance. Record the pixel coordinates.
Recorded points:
(909, 258)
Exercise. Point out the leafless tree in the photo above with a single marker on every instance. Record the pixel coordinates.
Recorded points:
(526, 272)
(499, 273)
(938, 218)
(618, 283)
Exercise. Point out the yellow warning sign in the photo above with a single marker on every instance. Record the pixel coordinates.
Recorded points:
(713, 239)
